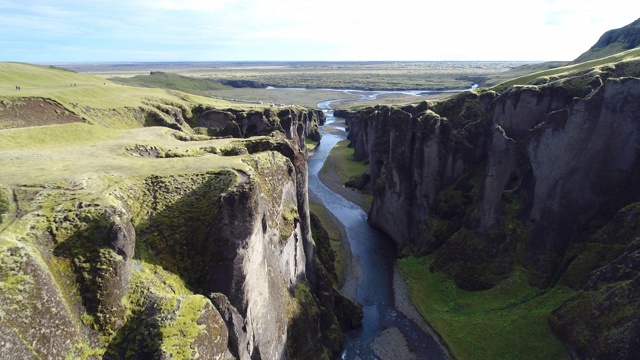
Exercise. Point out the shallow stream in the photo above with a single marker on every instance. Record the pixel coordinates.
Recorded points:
(369, 279)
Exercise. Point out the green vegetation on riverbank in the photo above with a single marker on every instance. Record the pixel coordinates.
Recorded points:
(509, 321)
(339, 168)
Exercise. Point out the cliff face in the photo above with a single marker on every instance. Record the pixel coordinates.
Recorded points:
(294, 122)
(518, 179)
(169, 263)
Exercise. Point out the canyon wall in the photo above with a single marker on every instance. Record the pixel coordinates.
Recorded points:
(530, 177)
(214, 265)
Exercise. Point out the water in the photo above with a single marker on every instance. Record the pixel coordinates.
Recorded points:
(369, 281)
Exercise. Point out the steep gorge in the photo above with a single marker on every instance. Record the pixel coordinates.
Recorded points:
(539, 179)
(215, 262)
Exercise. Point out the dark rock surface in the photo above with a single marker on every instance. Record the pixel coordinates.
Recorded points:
(524, 178)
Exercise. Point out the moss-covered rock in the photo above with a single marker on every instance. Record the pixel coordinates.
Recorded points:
(5, 203)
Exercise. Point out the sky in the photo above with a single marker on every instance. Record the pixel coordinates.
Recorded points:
(61, 31)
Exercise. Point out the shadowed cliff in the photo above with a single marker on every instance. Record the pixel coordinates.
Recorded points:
(528, 180)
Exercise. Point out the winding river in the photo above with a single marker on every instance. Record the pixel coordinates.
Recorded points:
(369, 279)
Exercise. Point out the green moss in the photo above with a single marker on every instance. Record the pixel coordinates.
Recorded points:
(5, 203)
(310, 144)
(340, 167)
(569, 69)
(324, 251)
(162, 316)
(326, 223)
(15, 283)
(288, 222)
(449, 203)
(303, 315)
(508, 321)
(179, 333)
(512, 224)
(166, 205)
(346, 167)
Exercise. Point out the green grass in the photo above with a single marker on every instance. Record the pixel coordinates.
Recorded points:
(48, 154)
(96, 100)
(342, 163)
(508, 321)
(623, 56)
(521, 71)
(162, 80)
(426, 75)
(310, 144)
(339, 167)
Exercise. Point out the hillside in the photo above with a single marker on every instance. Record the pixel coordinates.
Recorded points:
(92, 99)
(613, 42)
(626, 58)
(162, 80)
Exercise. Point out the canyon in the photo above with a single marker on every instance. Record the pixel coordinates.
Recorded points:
(153, 223)
(206, 254)
(537, 179)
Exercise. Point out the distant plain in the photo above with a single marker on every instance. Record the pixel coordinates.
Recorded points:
(248, 81)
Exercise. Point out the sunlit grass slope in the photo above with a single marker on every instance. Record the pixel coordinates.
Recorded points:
(172, 81)
(96, 100)
(509, 321)
(46, 154)
(630, 56)
(100, 145)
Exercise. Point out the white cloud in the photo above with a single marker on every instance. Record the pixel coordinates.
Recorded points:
(305, 29)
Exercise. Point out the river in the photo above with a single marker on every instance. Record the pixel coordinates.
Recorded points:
(369, 279)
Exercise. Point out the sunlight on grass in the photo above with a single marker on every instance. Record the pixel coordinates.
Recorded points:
(629, 55)
(94, 99)
(340, 162)
(508, 321)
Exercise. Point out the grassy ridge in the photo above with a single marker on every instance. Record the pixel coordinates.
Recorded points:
(94, 99)
(508, 321)
(629, 55)
(171, 81)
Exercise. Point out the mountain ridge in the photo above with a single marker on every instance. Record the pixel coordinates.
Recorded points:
(612, 42)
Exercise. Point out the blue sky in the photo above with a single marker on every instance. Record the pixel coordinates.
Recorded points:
(45, 31)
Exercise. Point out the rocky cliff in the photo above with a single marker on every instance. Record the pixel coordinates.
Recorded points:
(203, 254)
(538, 177)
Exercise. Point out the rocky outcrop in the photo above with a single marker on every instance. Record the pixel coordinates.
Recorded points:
(518, 179)
(296, 123)
(600, 321)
